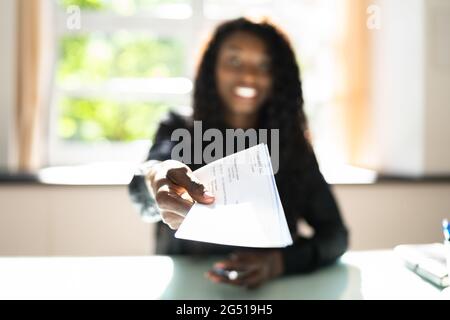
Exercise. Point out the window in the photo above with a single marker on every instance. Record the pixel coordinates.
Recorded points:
(116, 76)
(132, 60)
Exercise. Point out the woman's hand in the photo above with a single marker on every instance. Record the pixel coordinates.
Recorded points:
(257, 267)
(175, 189)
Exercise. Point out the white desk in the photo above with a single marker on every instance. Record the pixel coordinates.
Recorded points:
(359, 275)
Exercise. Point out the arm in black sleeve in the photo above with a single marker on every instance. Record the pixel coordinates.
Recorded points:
(330, 239)
(160, 151)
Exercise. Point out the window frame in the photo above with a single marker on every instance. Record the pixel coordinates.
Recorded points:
(62, 152)
(192, 33)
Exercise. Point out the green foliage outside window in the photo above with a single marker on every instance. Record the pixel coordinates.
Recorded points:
(90, 60)
(106, 120)
(98, 57)
(83, 4)
(117, 5)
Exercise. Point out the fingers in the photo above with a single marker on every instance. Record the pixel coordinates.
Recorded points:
(253, 268)
(175, 189)
(169, 200)
(254, 280)
(214, 277)
(183, 177)
(172, 219)
(171, 186)
(250, 274)
(230, 264)
(250, 280)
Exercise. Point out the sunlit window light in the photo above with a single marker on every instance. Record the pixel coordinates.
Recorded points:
(173, 11)
(94, 173)
(177, 86)
(154, 85)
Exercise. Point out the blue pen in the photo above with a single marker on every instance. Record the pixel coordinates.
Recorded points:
(446, 229)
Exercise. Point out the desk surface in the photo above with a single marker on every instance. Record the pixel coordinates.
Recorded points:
(359, 275)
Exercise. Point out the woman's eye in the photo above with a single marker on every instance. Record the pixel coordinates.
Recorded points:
(264, 67)
(234, 62)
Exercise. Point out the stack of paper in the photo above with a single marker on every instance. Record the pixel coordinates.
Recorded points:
(247, 210)
(427, 260)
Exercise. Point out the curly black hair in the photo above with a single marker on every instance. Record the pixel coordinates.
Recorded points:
(283, 110)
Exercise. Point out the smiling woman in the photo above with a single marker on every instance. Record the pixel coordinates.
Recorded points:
(248, 78)
(243, 77)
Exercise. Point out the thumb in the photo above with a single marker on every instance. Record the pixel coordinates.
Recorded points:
(183, 177)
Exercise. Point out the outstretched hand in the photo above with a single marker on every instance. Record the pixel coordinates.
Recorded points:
(175, 189)
(256, 268)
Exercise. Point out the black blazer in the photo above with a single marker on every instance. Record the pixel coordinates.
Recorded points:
(314, 204)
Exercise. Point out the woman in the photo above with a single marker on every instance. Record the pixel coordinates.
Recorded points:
(247, 78)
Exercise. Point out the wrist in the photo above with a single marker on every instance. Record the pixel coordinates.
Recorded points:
(147, 167)
(142, 195)
(147, 170)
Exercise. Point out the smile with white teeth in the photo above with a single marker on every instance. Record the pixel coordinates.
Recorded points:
(245, 92)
